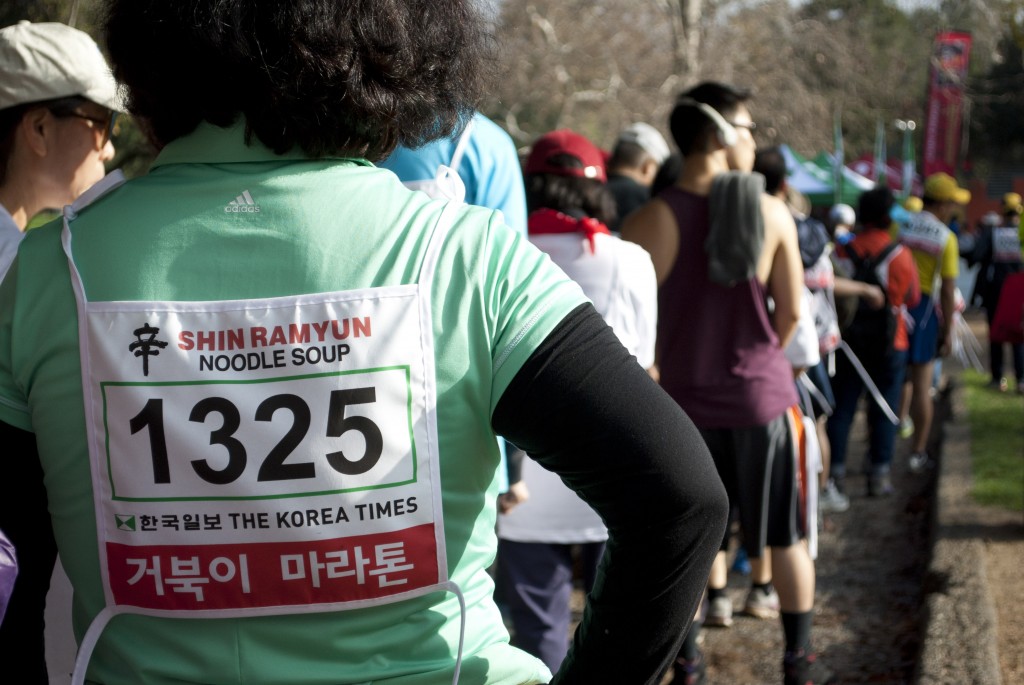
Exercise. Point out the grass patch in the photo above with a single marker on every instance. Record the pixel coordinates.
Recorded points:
(997, 442)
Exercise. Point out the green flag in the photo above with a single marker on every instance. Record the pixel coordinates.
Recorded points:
(878, 174)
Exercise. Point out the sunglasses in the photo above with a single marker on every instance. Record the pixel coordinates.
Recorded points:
(68, 108)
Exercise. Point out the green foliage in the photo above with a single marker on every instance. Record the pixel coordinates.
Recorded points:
(875, 67)
(997, 443)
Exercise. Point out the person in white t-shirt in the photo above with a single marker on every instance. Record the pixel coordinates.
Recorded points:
(569, 206)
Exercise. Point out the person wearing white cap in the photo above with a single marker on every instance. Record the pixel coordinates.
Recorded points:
(638, 154)
(58, 104)
(57, 108)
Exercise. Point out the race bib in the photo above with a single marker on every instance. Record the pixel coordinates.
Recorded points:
(1006, 245)
(270, 456)
(925, 234)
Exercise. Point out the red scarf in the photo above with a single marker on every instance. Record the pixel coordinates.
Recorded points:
(551, 222)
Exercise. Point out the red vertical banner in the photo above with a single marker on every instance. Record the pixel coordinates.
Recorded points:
(943, 132)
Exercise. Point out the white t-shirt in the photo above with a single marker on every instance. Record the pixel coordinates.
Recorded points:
(619, 279)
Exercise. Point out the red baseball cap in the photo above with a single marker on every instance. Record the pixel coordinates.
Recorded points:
(566, 142)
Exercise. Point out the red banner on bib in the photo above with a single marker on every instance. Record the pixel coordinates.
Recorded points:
(258, 575)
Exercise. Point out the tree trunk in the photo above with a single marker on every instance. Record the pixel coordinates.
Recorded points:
(685, 37)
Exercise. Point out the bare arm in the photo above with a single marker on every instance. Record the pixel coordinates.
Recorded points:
(780, 267)
(653, 227)
(871, 294)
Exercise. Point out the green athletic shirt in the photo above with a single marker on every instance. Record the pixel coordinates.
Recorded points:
(305, 226)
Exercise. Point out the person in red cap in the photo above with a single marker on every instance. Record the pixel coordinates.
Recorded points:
(569, 206)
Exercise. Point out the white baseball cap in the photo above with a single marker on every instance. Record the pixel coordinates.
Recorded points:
(648, 138)
(47, 61)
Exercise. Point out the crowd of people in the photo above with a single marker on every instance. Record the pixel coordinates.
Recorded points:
(253, 396)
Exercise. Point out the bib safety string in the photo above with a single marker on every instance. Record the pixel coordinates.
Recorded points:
(805, 396)
(460, 148)
(452, 587)
(807, 386)
(876, 395)
(92, 636)
(109, 182)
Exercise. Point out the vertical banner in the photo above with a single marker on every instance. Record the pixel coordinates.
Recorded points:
(949, 61)
(878, 174)
(838, 158)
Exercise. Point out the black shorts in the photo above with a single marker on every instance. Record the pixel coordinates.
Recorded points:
(759, 469)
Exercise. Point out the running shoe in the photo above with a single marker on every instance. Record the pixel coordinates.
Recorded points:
(1000, 385)
(686, 672)
(719, 613)
(906, 428)
(803, 668)
(920, 462)
(761, 604)
(832, 498)
(880, 485)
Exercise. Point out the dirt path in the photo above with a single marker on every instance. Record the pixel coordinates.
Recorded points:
(872, 577)
(871, 569)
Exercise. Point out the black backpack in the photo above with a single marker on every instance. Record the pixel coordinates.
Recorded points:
(812, 237)
(871, 332)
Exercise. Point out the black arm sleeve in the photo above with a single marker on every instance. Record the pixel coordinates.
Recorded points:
(25, 520)
(583, 408)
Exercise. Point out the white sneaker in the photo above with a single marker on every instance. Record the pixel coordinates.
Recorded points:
(761, 605)
(920, 462)
(906, 428)
(719, 613)
(832, 500)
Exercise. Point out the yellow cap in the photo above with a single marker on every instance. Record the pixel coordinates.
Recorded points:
(1012, 204)
(944, 188)
(913, 204)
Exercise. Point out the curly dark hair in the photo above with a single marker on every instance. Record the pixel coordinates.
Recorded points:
(333, 77)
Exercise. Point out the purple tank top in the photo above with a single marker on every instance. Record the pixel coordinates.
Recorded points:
(720, 356)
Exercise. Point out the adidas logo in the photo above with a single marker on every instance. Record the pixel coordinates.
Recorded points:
(243, 203)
